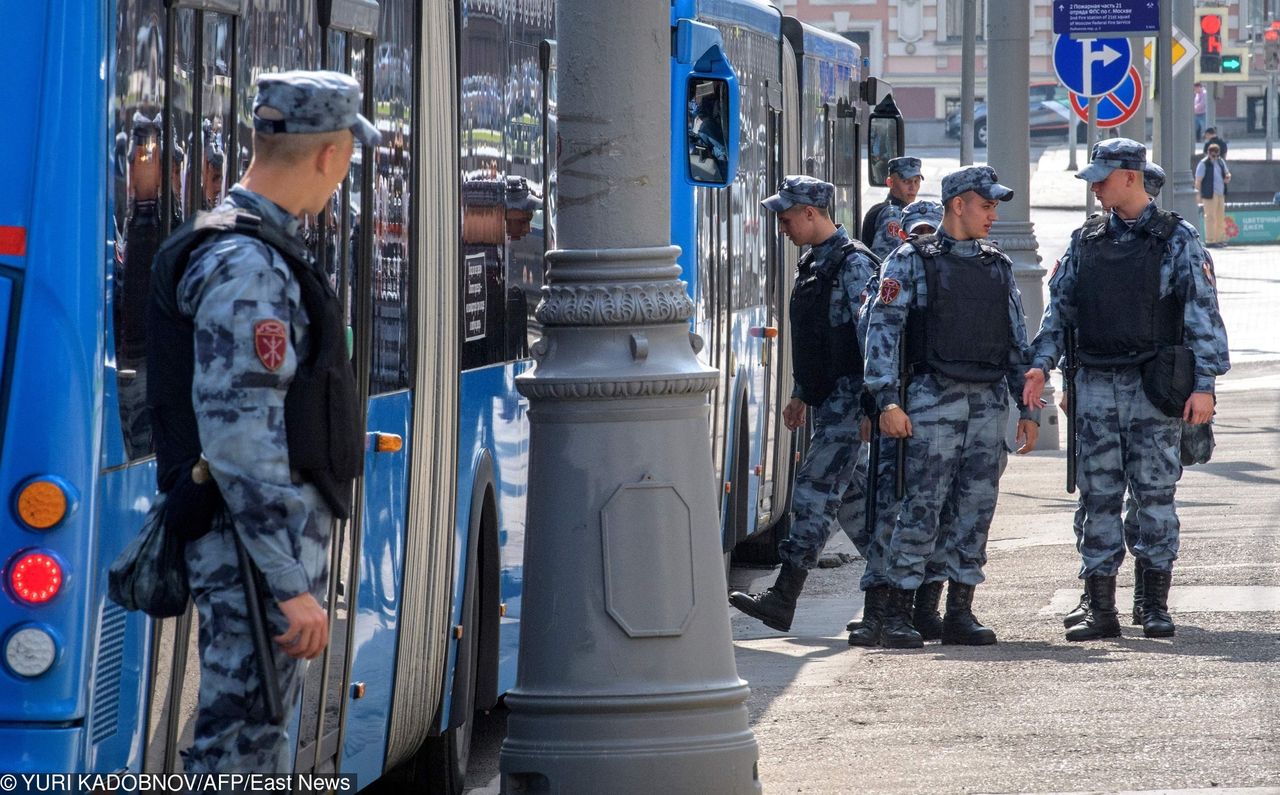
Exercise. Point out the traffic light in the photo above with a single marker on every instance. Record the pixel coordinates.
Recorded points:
(1271, 48)
(1212, 24)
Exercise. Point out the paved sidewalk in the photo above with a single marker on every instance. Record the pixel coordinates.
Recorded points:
(1035, 713)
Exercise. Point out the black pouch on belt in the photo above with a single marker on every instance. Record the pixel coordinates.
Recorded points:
(1169, 378)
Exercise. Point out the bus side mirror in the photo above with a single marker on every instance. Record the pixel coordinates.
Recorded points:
(885, 141)
(709, 106)
(708, 125)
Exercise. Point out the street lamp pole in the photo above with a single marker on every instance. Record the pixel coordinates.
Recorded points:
(626, 680)
(1009, 152)
(968, 58)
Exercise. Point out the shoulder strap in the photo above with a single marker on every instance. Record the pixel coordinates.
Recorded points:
(926, 245)
(1163, 223)
(1095, 227)
(861, 248)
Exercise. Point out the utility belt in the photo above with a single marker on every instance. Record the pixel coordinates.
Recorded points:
(1168, 374)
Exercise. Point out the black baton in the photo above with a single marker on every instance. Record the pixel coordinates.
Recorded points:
(1069, 386)
(257, 612)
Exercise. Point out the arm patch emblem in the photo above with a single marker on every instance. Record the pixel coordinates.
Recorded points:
(270, 342)
(889, 290)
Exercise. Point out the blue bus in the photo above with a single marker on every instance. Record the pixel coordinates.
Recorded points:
(127, 116)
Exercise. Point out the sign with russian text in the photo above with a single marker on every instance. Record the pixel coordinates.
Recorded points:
(1105, 17)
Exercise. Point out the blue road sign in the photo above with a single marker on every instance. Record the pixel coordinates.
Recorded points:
(1092, 18)
(1091, 67)
(1115, 107)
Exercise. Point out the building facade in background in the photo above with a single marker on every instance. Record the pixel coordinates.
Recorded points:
(916, 45)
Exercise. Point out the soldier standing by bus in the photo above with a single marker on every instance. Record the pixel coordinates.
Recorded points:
(948, 315)
(828, 370)
(882, 225)
(253, 386)
(1136, 291)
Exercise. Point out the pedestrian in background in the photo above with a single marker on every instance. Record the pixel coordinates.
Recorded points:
(948, 307)
(882, 225)
(1200, 107)
(256, 391)
(827, 363)
(1137, 289)
(1212, 176)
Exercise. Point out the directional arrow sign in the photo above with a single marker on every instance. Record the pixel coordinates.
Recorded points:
(1091, 67)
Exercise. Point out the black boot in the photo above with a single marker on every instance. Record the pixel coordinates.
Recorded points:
(959, 625)
(924, 616)
(897, 632)
(1081, 610)
(1139, 588)
(1156, 621)
(776, 606)
(867, 633)
(1102, 621)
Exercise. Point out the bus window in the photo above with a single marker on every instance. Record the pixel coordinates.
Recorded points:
(166, 167)
(392, 216)
(845, 154)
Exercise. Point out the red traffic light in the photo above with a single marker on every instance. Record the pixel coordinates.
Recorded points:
(1211, 24)
(1272, 35)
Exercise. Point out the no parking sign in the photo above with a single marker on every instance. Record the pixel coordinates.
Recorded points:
(1116, 106)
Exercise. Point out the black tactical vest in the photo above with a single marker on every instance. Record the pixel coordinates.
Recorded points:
(963, 331)
(1120, 316)
(322, 417)
(821, 354)
(871, 221)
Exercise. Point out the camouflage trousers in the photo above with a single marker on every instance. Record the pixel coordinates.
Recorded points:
(954, 459)
(232, 732)
(1124, 441)
(829, 484)
(872, 543)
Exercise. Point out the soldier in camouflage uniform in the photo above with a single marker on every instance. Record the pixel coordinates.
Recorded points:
(1152, 182)
(952, 300)
(1132, 282)
(828, 370)
(919, 217)
(882, 228)
(251, 333)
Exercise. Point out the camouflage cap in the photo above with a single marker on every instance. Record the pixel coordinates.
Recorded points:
(905, 167)
(311, 102)
(1152, 179)
(921, 212)
(800, 189)
(982, 180)
(1111, 154)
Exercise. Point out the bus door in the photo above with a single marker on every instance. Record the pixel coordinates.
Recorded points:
(176, 136)
(344, 241)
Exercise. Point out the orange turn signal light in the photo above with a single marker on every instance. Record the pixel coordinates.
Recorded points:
(42, 504)
(388, 443)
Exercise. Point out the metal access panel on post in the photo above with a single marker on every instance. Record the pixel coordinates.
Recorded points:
(1089, 18)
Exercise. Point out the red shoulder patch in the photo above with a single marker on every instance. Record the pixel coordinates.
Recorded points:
(270, 343)
(1207, 267)
(895, 230)
(889, 291)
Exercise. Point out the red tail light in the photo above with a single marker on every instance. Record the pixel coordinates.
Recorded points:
(35, 577)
